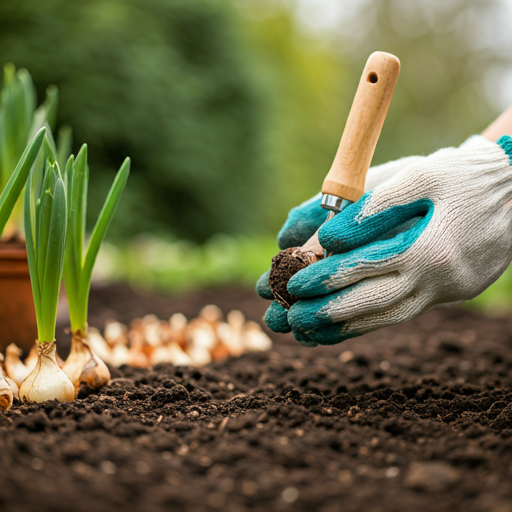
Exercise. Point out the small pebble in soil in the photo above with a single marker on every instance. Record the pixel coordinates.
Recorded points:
(107, 467)
(345, 476)
(182, 450)
(346, 356)
(385, 366)
(432, 476)
(392, 472)
(290, 494)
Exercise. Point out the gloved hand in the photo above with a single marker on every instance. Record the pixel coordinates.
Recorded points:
(302, 223)
(438, 231)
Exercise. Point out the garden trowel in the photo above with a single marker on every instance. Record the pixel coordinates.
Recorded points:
(344, 184)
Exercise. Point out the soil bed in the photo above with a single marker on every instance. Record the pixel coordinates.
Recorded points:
(414, 417)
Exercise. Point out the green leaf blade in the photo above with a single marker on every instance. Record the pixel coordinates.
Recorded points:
(29, 218)
(54, 261)
(102, 224)
(19, 177)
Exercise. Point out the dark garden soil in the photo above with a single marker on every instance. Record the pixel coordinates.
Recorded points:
(417, 417)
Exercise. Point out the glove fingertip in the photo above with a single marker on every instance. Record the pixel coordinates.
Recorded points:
(276, 317)
(303, 340)
(263, 288)
(314, 280)
(331, 334)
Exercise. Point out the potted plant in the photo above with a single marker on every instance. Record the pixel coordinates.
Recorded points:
(19, 121)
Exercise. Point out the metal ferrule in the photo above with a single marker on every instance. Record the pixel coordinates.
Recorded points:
(334, 203)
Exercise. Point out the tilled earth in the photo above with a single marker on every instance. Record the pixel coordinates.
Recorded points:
(413, 417)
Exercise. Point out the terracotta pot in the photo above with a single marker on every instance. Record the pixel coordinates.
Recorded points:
(17, 313)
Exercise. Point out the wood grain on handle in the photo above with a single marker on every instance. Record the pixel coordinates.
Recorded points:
(348, 172)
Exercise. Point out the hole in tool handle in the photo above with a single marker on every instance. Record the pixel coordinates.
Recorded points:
(372, 78)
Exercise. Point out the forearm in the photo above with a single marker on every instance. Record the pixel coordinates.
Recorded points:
(502, 126)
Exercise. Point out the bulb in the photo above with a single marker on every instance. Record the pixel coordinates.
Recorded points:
(83, 366)
(115, 332)
(46, 381)
(171, 353)
(255, 339)
(31, 360)
(14, 366)
(199, 356)
(211, 314)
(3, 374)
(231, 338)
(98, 345)
(6, 396)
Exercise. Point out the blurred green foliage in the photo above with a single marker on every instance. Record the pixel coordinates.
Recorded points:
(232, 110)
(176, 266)
(19, 122)
(167, 83)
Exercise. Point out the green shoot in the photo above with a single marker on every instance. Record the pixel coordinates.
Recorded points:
(79, 263)
(45, 233)
(17, 107)
(18, 178)
(20, 120)
(64, 140)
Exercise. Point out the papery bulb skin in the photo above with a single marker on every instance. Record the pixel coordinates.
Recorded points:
(200, 356)
(14, 387)
(84, 367)
(3, 374)
(6, 391)
(31, 360)
(14, 366)
(255, 339)
(99, 345)
(46, 381)
(5, 395)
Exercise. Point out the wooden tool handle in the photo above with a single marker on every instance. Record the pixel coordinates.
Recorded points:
(369, 108)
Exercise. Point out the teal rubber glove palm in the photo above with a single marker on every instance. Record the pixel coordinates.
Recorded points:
(439, 231)
(302, 223)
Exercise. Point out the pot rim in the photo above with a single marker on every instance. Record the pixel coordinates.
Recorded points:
(7, 253)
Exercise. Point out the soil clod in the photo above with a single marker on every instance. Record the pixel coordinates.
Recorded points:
(285, 265)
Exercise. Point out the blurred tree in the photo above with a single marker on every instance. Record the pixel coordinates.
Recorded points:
(448, 49)
(167, 83)
(317, 49)
(232, 109)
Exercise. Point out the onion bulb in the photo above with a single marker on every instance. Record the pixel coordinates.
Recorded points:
(8, 388)
(83, 366)
(99, 345)
(14, 366)
(46, 381)
(3, 373)
(6, 396)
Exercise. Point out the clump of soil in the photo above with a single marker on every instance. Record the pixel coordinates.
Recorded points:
(412, 417)
(285, 265)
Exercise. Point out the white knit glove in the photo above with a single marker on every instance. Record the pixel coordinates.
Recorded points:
(303, 221)
(438, 231)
